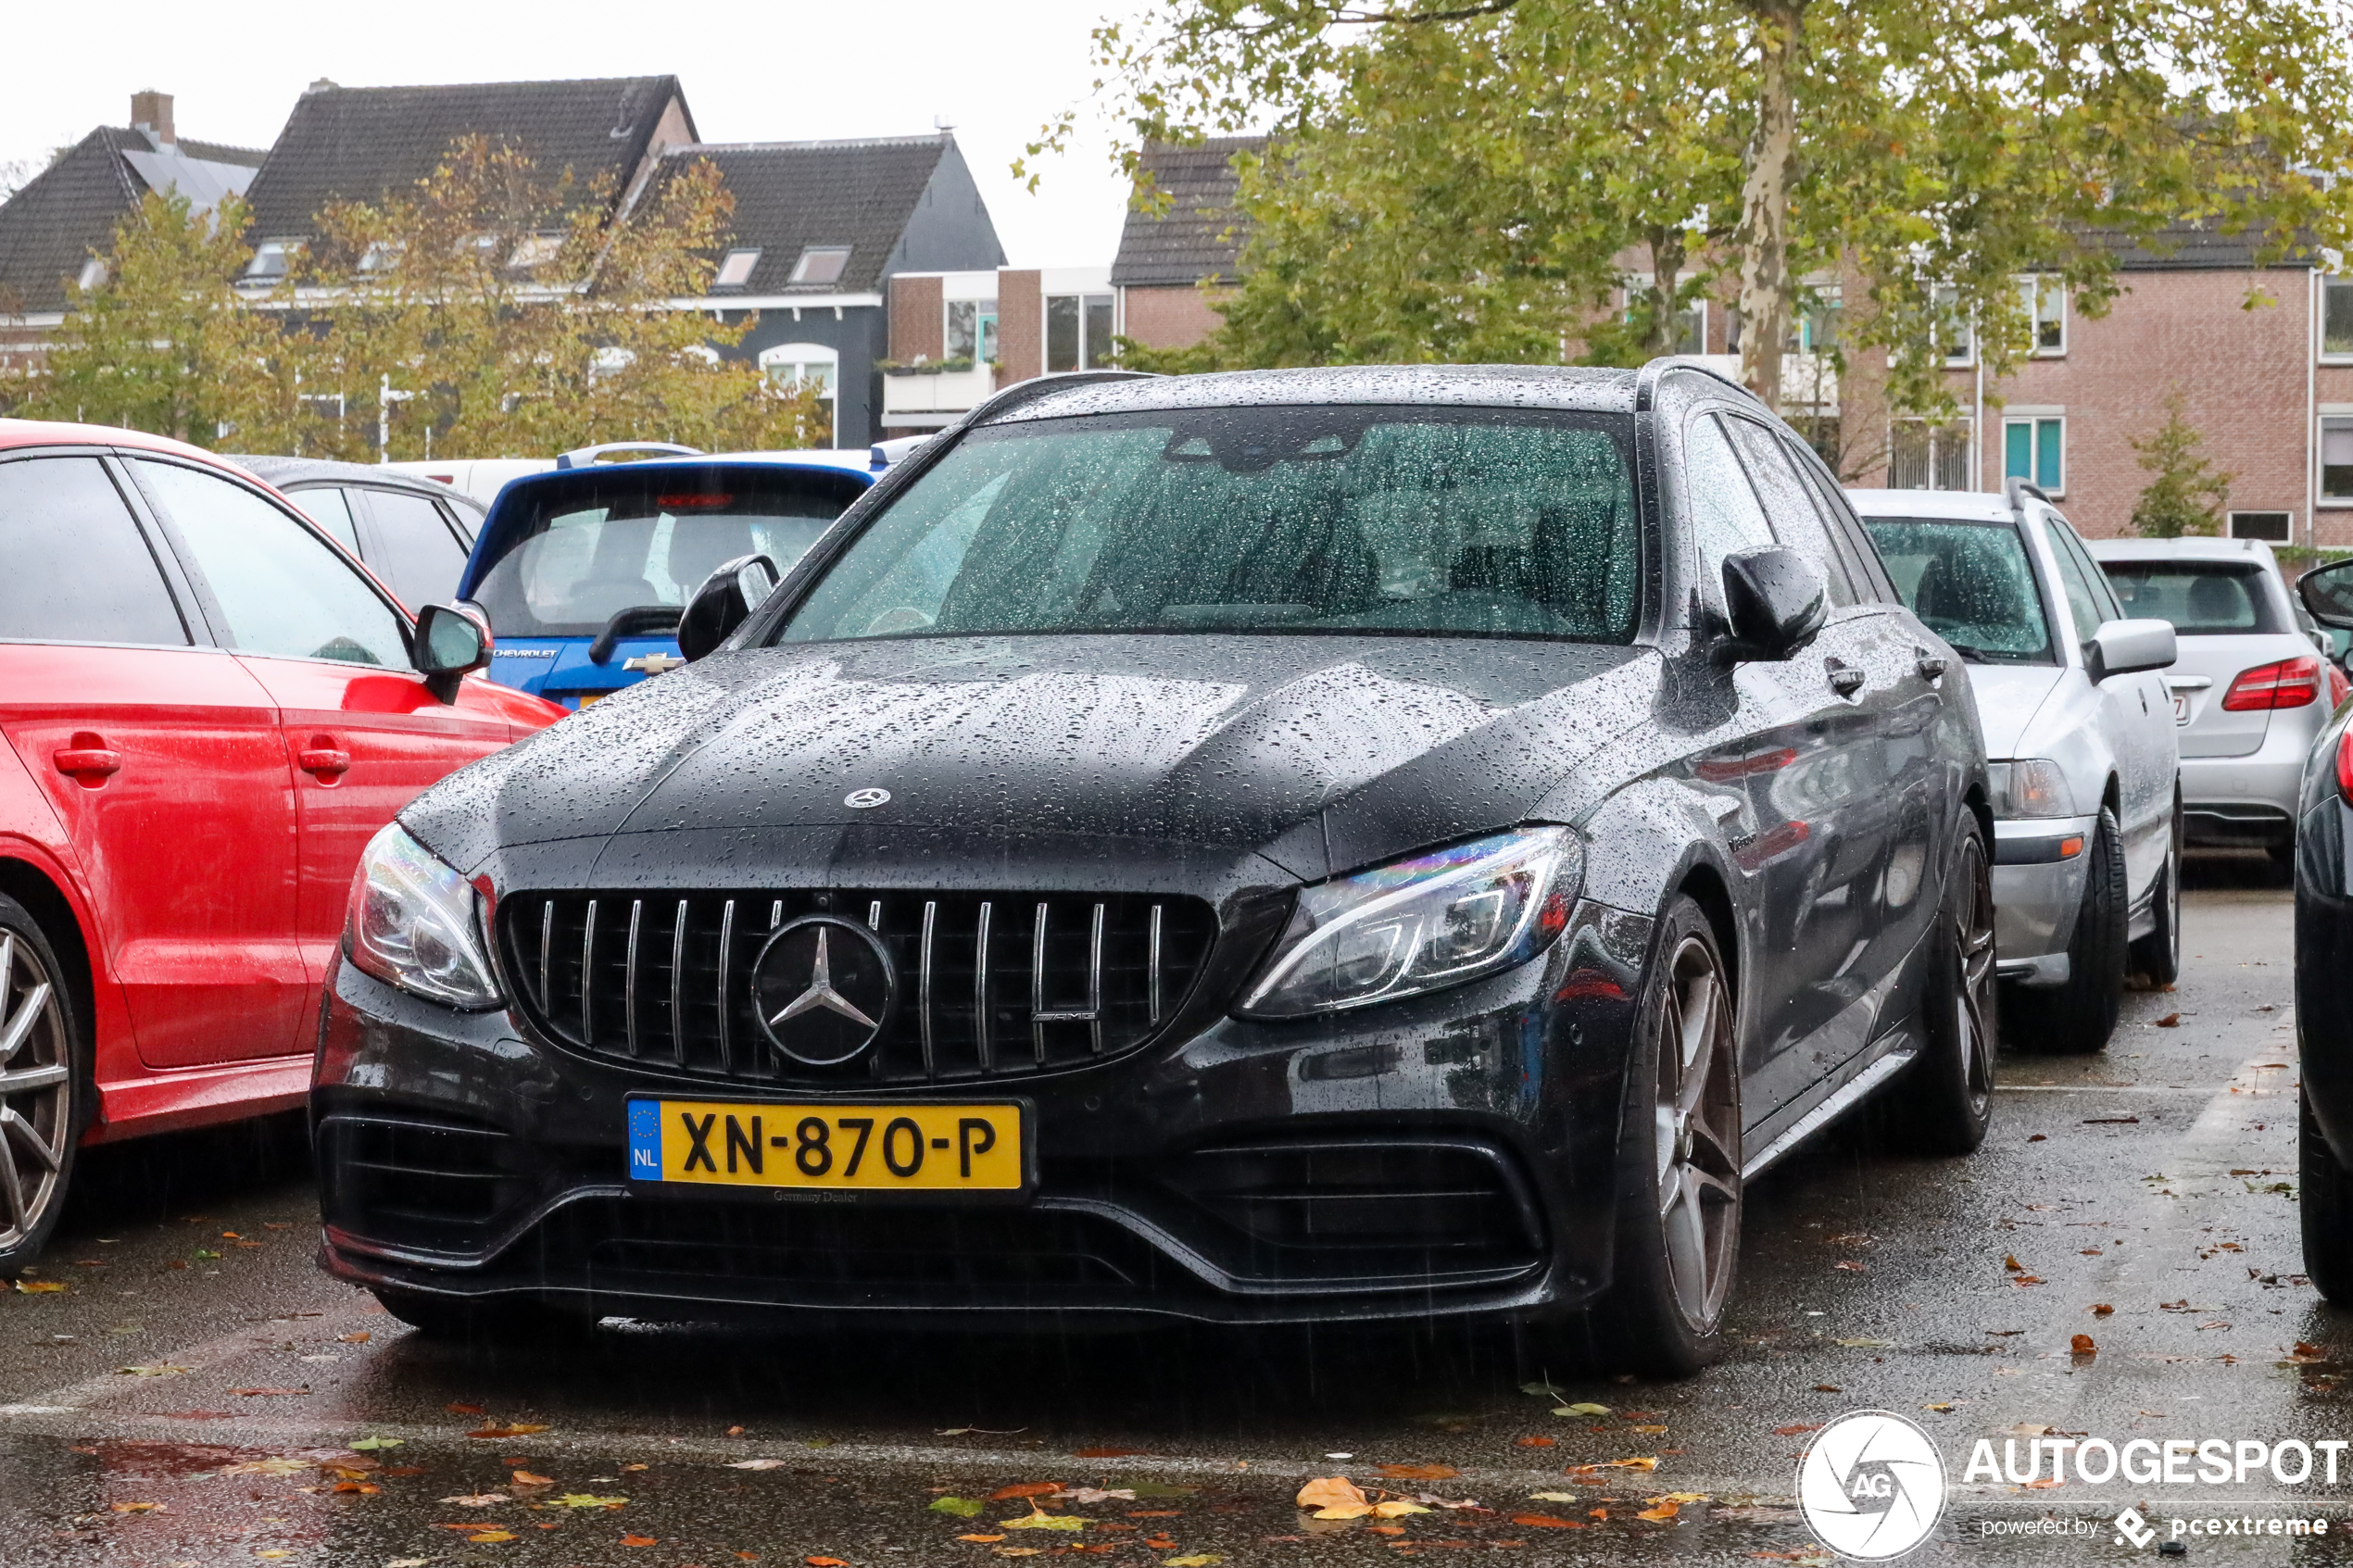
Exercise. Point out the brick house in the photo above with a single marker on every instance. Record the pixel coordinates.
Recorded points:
(54, 230)
(819, 226)
(2262, 355)
(955, 337)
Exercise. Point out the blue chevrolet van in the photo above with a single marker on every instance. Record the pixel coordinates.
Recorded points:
(583, 572)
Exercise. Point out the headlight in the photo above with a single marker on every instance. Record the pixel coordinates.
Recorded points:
(2032, 786)
(412, 923)
(1416, 925)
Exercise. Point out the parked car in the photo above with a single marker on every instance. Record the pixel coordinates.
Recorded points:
(209, 708)
(584, 572)
(2323, 957)
(2248, 689)
(1292, 845)
(413, 533)
(2086, 781)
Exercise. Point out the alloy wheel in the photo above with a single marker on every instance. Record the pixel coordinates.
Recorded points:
(1974, 995)
(36, 1090)
(1695, 1140)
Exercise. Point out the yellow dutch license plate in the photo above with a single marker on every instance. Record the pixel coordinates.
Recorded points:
(860, 1147)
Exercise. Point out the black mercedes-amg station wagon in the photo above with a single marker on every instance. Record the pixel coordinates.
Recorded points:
(1292, 845)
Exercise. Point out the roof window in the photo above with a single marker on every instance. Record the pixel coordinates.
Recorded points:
(821, 264)
(93, 273)
(272, 258)
(735, 269)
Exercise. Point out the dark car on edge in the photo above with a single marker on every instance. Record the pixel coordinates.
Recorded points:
(2324, 838)
(1281, 847)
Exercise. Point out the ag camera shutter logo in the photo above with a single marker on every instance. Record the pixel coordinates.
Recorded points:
(1872, 1486)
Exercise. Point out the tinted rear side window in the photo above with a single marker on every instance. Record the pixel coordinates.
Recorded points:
(420, 557)
(1311, 520)
(74, 567)
(327, 506)
(2221, 600)
(577, 549)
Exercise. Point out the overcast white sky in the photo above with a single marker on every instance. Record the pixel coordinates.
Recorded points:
(772, 71)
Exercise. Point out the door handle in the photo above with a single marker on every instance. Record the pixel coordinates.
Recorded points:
(1845, 680)
(324, 761)
(92, 764)
(1932, 665)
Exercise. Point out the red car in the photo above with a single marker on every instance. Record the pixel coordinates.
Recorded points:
(210, 707)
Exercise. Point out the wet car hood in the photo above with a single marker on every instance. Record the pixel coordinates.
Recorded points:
(2009, 696)
(1320, 753)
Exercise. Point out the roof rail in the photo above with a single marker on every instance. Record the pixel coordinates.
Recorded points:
(1022, 391)
(581, 457)
(2017, 485)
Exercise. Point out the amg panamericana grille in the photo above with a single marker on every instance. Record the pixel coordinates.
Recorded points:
(991, 985)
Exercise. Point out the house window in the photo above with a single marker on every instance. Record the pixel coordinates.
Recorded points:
(1818, 321)
(380, 256)
(1078, 332)
(820, 264)
(93, 273)
(2337, 460)
(971, 330)
(2043, 298)
(1691, 322)
(2260, 525)
(536, 250)
(735, 269)
(272, 258)
(1953, 335)
(1926, 457)
(2337, 318)
(2035, 450)
(805, 364)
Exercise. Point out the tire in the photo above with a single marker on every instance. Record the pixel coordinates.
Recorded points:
(2080, 1015)
(2157, 958)
(45, 1088)
(1679, 1166)
(2325, 1207)
(495, 1322)
(1943, 1103)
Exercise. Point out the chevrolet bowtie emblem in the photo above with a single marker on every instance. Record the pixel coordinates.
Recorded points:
(652, 664)
(821, 992)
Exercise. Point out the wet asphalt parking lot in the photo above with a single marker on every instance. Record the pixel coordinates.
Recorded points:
(198, 1394)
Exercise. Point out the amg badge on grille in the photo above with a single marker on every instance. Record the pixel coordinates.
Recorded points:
(823, 989)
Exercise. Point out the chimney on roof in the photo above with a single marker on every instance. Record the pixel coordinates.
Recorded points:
(151, 112)
(325, 84)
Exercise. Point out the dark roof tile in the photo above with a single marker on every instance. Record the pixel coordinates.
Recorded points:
(1200, 234)
(358, 143)
(791, 195)
(50, 227)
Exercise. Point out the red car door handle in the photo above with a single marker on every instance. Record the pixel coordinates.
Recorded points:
(325, 761)
(88, 763)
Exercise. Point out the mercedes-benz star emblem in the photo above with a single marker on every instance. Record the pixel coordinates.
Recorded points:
(865, 799)
(824, 988)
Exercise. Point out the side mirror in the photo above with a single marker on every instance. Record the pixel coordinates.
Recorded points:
(2327, 592)
(2124, 647)
(1777, 601)
(448, 644)
(726, 597)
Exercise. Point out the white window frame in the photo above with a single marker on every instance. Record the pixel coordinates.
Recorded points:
(1966, 358)
(2033, 287)
(2329, 421)
(93, 274)
(802, 355)
(809, 254)
(2032, 417)
(747, 255)
(1638, 283)
(2331, 280)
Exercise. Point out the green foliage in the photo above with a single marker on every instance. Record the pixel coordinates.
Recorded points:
(1471, 181)
(2187, 493)
(506, 314)
(161, 344)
